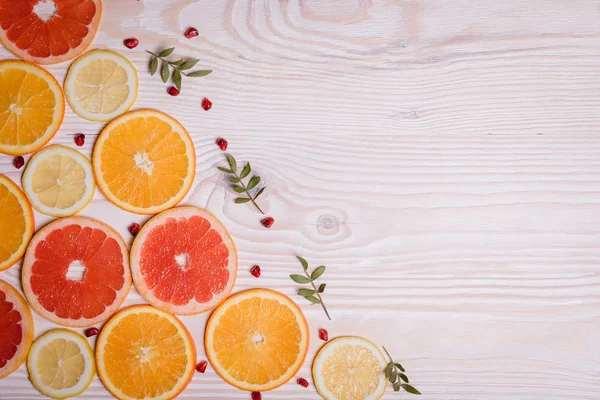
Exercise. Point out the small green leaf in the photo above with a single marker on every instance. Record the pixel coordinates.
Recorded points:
(225, 170)
(397, 387)
(306, 292)
(313, 299)
(166, 52)
(259, 192)
(322, 287)
(164, 72)
(176, 63)
(253, 182)
(303, 262)
(400, 367)
(317, 272)
(299, 278)
(241, 200)
(232, 162)
(177, 79)
(233, 179)
(199, 73)
(189, 64)
(153, 65)
(388, 370)
(403, 377)
(238, 189)
(410, 389)
(245, 171)
(393, 377)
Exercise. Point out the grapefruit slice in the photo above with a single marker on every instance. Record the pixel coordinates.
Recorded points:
(16, 223)
(48, 31)
(256, 340)
(76, 271)
(61, 364)
(183, 261)
(16, 329)
(145, 353)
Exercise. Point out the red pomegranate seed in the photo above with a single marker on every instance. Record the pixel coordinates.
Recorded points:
(256, 396)
(134, 228)
(255, 271)
(222, 143)
(18, 162)
(79, 139)
(131, 43)
(206, 104)
(201, 367)
(323, 335)
(91, 332)
(267, 222)
(173, 91)
(302, 382)
(191, 32)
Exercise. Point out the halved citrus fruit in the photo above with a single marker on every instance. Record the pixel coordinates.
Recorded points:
(101, 85)
(16, 329)
(48, 31)
(76, 271)
(16, 223)
(59, 181)
(145, 353)
(183, 261)
(256, 340)
(144, 161)
(61, 364)
(32, 107)
(350, 368)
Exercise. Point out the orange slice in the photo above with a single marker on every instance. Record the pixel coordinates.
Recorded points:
(32, 107)
(145, 353)
(48, 31)
(183, 261)
(76, 271)
(16, 223)
(16, 329)
(144, 161)
(256, 340)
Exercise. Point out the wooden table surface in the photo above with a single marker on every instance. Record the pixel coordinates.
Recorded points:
(440, 157)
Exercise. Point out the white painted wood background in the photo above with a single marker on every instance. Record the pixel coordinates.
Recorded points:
(441, 157)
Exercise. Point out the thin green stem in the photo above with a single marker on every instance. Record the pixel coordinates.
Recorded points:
(388, 354)
(318, 294)
(248, 193)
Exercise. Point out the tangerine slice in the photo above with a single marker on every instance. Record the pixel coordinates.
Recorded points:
(183, 261)
(76, 271)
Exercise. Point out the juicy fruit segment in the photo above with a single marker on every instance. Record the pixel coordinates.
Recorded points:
(183, 261)
(16, 329)
(101, 85)
(59, 181)
(350, 368)
(144, 161)
(256, 340)
(16, 223)
(76, 271)
(32, 107)
(143, 352)
(48, 32)
(61, 364)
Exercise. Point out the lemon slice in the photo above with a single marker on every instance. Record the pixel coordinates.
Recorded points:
(58, 181)
(101, 85)
(350, 368)
(61, 364)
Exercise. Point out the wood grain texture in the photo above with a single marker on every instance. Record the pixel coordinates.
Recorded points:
(442, 158)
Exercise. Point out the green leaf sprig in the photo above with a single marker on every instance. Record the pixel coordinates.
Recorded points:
(313, 295)
(395, 374)
(178, 67)
(238, 182)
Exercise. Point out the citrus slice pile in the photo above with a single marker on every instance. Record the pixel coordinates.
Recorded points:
(76, 271)
(144, 161)
(48, 32)
(16, 223)
(183, 261)
(101, 85)
(61, 364)
(145, 353)
(350, 368)
(59, 181)
(256, 340)
(16, 329)
(32, 107)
